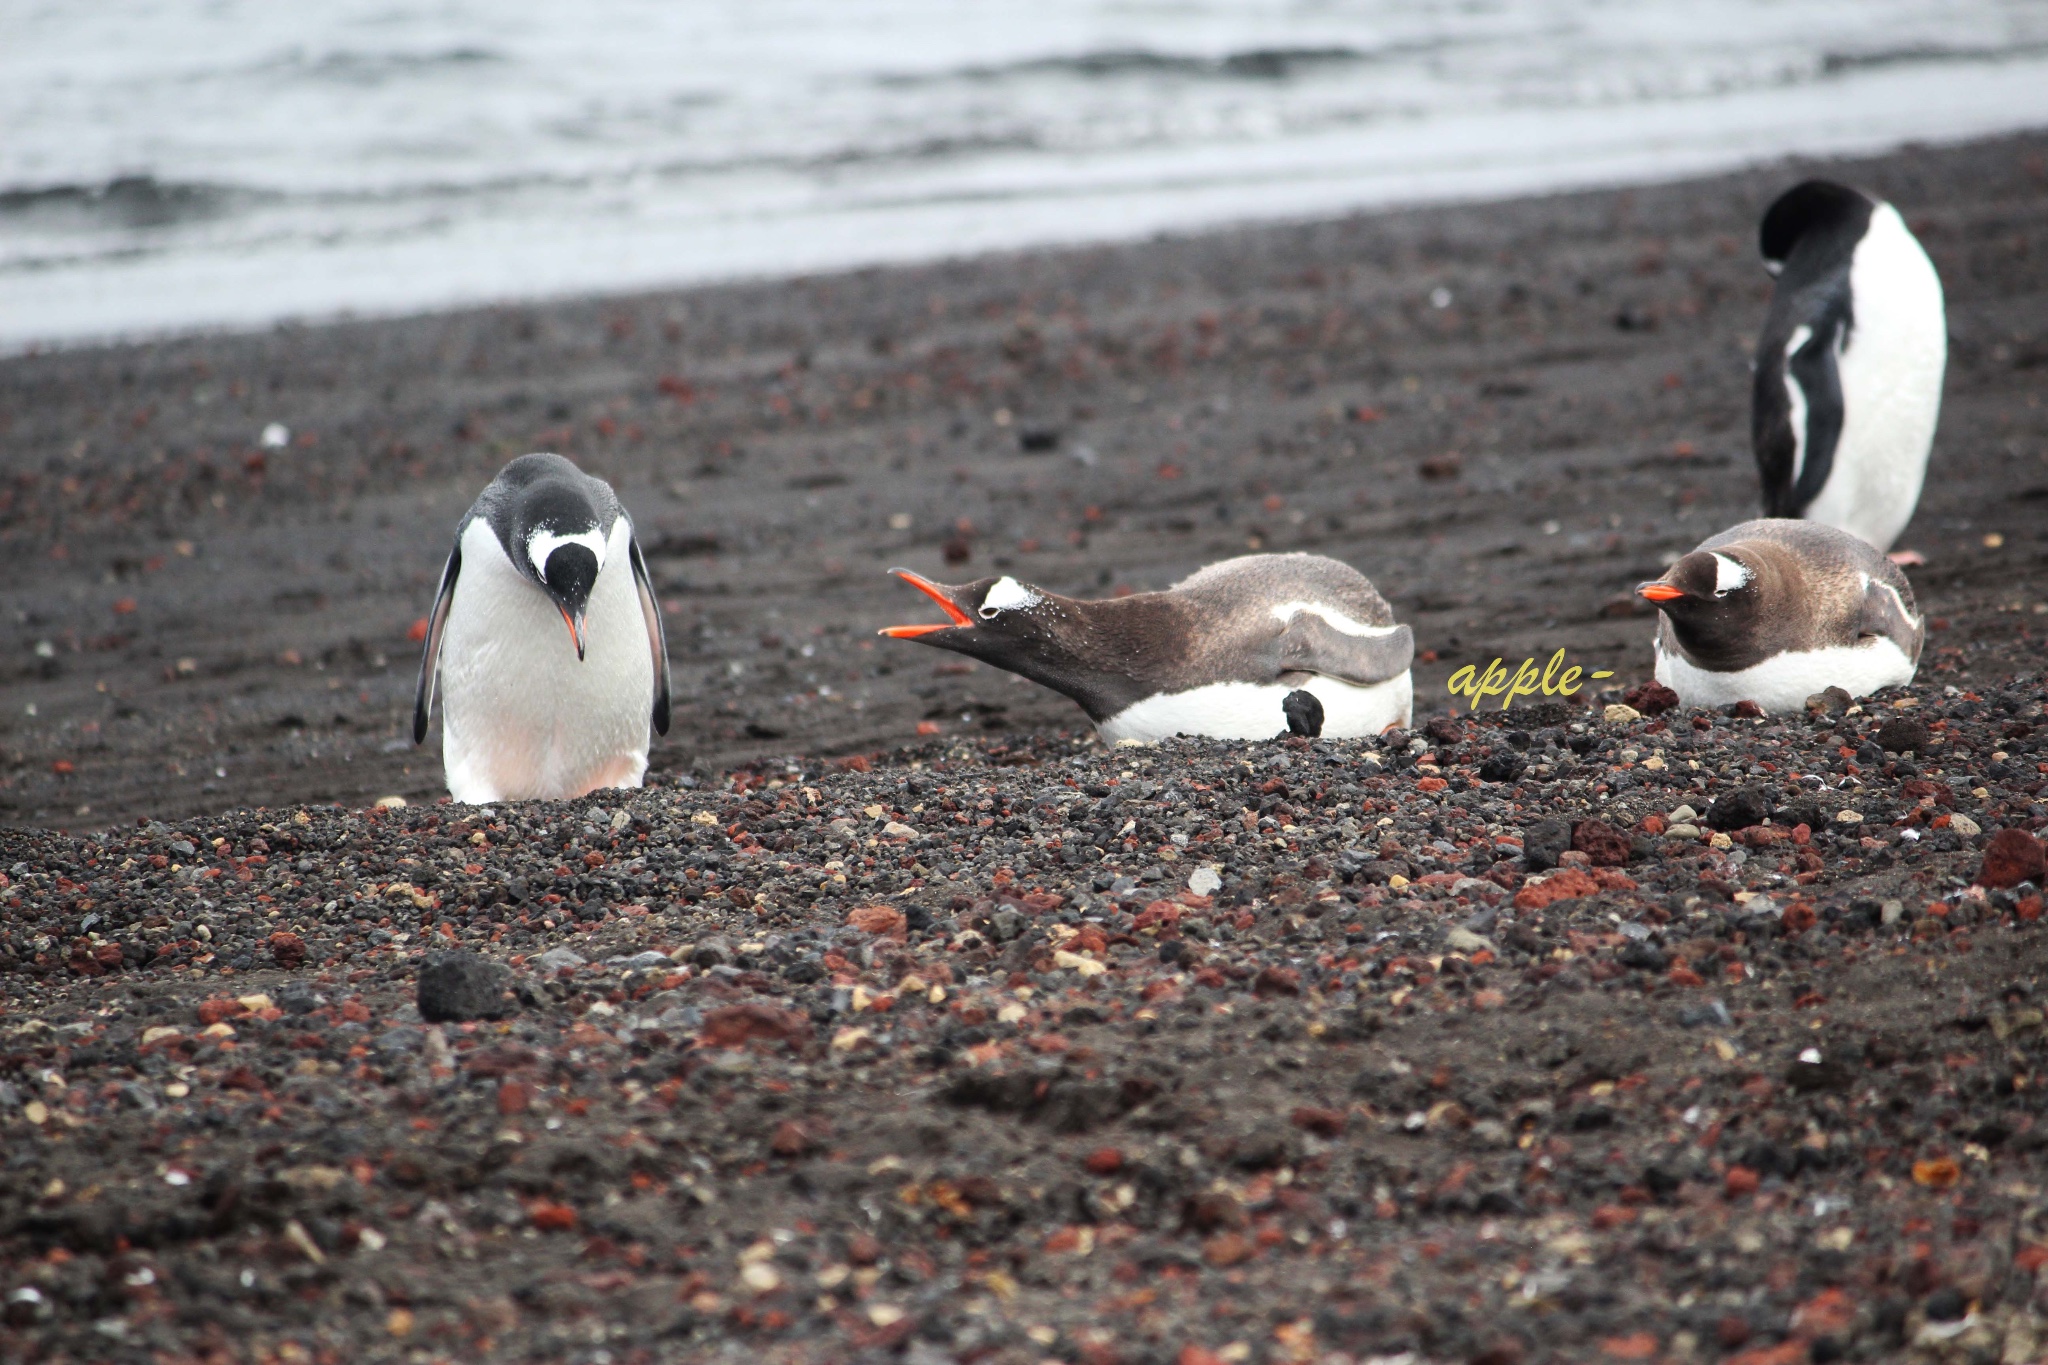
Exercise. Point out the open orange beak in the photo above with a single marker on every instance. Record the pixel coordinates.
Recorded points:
(938, 595)
(575, 626)
(1659, 592)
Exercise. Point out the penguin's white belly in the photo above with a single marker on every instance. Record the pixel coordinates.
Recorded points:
(1891, 373)
(1237, 710)
(1785, 682)
(521, 717)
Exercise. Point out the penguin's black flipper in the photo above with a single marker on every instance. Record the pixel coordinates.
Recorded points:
(1309, 644)
(430, 661)
(657, 636)
(1304, 712)
(1796, 410)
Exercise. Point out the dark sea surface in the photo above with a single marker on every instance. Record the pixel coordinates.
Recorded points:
(168, 167)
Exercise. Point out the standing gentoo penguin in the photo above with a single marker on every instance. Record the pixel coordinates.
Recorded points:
(1250, 648)
(1775, 611)
(528, 709)
(1848, 369)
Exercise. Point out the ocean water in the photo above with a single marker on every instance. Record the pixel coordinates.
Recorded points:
(225, 163)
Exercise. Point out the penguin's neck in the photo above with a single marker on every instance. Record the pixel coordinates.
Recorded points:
(1107, 655)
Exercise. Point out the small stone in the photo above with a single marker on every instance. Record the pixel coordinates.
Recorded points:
(1682, 831)
(1544, 842)
(1684, 815)
(1463, 940)
(1832, 701)
(1619, 714)
(2013, 856)
(1965, 826)
(460, 986)
(882, 921)
(1891, 912)
(1205, 881)
(560, 960)
(1947, 1304)
(1651, 698)
(298, 997)
(1902, 734)
(896, 829)
(640, 962)
(288, 951)
(402, 1041)
(1601, 842)
(1739, 809)
(390, 803)
(1849, 817)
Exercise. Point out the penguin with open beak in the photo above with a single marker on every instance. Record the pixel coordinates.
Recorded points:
(1775, 611)
(1849, 367)
(1251, 648)
(546, 641)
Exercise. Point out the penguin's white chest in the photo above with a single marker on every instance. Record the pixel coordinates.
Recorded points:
(1240, 710)
(1784, 681)
(1891, 370)
(521, 716)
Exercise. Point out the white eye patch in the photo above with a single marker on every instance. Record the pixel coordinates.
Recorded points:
(1729, 574)
(1007, 595)
(544, 542)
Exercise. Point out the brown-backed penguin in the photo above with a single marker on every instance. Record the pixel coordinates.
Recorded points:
(1849, 366)
(1251, 648)
(530, 709)
(1774, 611)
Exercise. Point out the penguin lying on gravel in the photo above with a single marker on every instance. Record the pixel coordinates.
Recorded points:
(1776, 611)
(1251, 648)
(1849, 366)
(530, 709)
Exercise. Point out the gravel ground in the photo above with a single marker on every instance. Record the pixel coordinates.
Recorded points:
(1595, 1031)
(1676, 1036)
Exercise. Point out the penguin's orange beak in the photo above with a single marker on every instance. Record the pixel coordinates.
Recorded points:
(1659, 592)
(575, 625)
(938, 595)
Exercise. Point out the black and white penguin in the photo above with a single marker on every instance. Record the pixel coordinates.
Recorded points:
(1775, 611)
(529, 709)
(1251, 648)
(1849, 366)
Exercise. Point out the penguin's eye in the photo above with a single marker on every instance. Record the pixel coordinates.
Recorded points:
(1007, 593)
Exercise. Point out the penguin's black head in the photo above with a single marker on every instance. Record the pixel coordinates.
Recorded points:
(1708, 594)
(997, 620)
(1813, 210)
(556, 532)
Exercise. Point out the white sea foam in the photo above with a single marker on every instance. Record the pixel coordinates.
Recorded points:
(169, 166)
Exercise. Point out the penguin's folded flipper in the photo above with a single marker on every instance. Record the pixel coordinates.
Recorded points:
(430, 660)
(1309, 644)
(1886, 616)
(657, 635)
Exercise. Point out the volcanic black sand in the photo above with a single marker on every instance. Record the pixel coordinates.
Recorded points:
(988, 1043)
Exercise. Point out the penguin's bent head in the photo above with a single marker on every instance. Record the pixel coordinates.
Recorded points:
(997, 620)
(1710, 595)
(558, 538)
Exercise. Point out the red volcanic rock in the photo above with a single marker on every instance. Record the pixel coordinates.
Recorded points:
(2013, 856)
